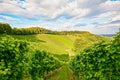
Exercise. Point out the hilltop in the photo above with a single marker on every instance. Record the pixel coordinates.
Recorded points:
(67, 43)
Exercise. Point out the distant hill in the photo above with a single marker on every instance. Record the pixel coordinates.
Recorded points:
(61, 44)
(56, 42)
(108, 35)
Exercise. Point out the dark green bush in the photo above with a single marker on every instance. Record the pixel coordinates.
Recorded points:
(42, 63)
(100, 62)
(12, 58)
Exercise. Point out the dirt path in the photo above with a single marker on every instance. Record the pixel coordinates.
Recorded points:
(64, 73)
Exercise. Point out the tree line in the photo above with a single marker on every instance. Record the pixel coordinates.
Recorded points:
(5, 28)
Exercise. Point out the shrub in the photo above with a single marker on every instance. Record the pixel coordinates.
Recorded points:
(12, 58)
(100, 62)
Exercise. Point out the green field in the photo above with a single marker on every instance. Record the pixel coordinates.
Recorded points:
(61, 46)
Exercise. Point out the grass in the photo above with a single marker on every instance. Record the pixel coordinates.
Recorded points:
(62, 46)
(64, 73)
(62, 57)
(56, 44)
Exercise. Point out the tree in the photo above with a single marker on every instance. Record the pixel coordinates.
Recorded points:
(5, 28)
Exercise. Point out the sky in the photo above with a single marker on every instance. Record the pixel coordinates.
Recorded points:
(95, 16)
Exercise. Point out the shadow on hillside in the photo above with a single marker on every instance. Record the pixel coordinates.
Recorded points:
(31, 38)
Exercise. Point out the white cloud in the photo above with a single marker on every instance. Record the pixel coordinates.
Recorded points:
(51, 9)
(77, 10)
(110, 5)
(12, 7)
(108, 14)
(116, 17)
(44, 7)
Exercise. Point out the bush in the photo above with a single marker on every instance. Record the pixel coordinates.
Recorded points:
(100, 62)
(12, 58)
(41, 64)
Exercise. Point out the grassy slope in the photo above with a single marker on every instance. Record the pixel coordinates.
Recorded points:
(56, 44)
(59, 44)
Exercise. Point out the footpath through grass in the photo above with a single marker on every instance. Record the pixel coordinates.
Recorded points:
(63, 73)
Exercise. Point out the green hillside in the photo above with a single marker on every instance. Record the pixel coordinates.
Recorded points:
(60, 44)
(55, 42)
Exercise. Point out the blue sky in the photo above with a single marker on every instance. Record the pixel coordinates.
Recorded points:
(95, 16)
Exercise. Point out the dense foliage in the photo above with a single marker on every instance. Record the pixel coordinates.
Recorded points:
(28, 31)
(5, 28)
(12, 58)
(42, 63)
(99, 62)
(16, 62)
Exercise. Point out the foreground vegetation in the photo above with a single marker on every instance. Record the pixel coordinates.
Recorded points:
(99, 62)
(16, 62)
